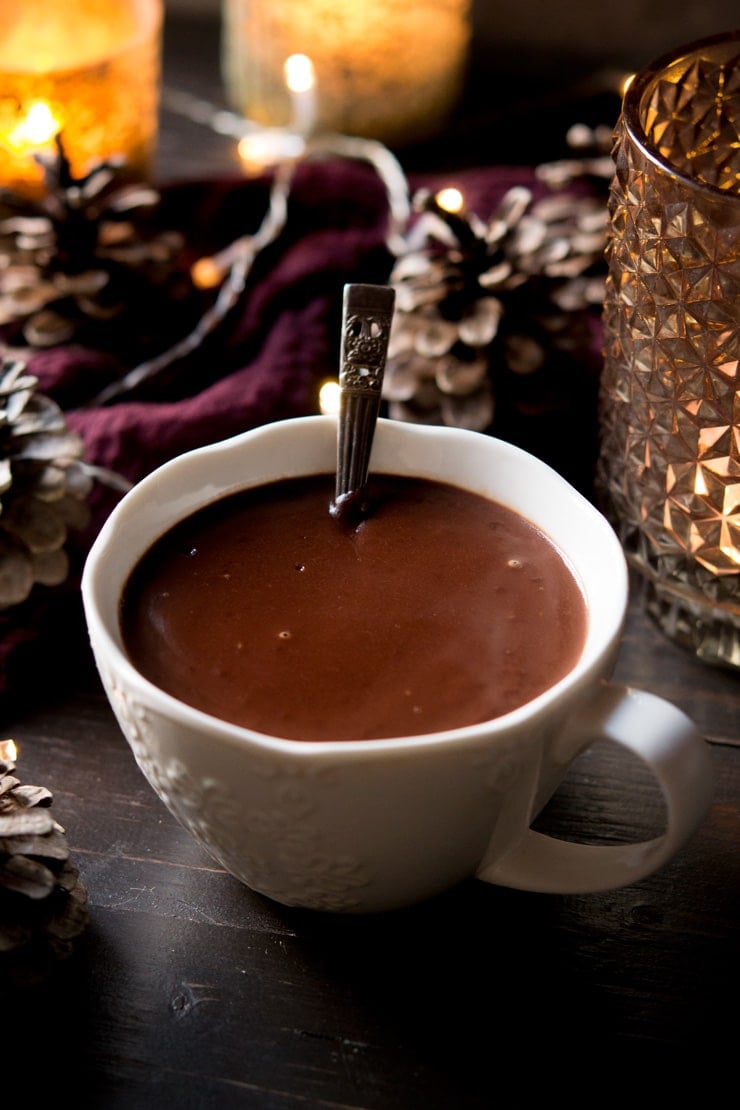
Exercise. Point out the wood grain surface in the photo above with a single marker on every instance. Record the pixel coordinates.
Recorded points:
(189, 990)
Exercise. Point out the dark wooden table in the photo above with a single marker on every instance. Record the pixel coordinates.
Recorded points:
(188, 990)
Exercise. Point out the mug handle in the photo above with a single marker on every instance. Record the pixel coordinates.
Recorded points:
(669, 744)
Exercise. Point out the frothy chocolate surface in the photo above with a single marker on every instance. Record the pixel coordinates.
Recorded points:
(438, 610)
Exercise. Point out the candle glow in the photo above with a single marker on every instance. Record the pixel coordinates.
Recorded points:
(37, 128)
(85, 70)
(387, 71)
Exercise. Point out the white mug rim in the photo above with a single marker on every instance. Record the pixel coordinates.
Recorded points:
(594, 663)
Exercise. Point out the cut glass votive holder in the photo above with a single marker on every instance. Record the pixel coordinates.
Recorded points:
(669, 466)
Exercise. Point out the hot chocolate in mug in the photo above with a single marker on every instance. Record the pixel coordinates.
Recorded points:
(359, 825)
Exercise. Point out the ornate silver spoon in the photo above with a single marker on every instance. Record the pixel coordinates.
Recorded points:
(366, 324)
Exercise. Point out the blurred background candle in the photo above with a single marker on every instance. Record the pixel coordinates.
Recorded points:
(390, 70)
(268, 146)
(87, 70)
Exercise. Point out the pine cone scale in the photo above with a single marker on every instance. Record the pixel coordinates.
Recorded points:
(22, 822)
(43, 903)
(26, 876)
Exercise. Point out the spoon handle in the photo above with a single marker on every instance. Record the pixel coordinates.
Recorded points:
(366, 325)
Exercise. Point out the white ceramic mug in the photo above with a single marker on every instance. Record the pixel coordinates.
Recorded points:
(360, 826)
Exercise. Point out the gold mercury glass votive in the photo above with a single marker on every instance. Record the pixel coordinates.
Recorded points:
(669, 466)
(87, 71)
(390, 71)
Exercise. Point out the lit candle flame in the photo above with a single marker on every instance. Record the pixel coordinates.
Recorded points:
(37, 128)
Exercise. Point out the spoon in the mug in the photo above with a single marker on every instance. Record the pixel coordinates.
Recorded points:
(366, 323)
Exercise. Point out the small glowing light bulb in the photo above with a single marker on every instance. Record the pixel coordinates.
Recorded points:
(206, 273)
(329, 397)
(300, 77)
(451, 200)
(299, 72)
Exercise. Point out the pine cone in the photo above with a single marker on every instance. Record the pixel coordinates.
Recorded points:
(43, 486)
(86, 262)
(437, 367)
(43, 903)
(478, 298)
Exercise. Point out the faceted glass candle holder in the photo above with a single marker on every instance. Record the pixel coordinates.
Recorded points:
(669, 467)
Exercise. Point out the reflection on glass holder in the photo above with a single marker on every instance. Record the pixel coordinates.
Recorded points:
(669, 468)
